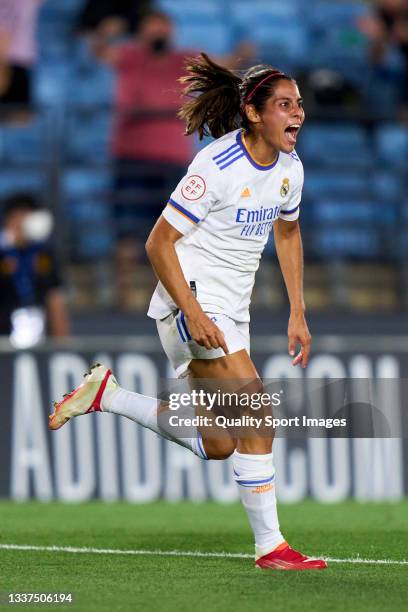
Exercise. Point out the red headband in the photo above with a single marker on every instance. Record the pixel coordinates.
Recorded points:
(275, 74)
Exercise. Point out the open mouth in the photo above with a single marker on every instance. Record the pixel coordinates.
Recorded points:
(291, 133)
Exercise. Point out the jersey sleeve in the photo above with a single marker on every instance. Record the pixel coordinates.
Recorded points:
(290, 210)
(194, 196)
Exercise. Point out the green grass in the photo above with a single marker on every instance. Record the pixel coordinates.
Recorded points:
(108, 582)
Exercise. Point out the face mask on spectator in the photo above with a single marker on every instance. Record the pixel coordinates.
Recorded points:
(159, 45)
(37, 226)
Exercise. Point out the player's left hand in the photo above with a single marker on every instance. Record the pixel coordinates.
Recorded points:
(298, 333)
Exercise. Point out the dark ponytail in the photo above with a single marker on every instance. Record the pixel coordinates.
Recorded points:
(219, 95)
(215, 110)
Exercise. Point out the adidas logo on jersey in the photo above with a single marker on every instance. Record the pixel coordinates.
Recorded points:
(246, 193)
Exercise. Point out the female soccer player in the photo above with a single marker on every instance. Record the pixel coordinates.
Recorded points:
(205, 249)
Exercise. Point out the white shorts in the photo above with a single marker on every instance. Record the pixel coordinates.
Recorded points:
(181, 349)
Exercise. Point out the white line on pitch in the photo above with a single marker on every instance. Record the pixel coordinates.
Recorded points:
(176, 553)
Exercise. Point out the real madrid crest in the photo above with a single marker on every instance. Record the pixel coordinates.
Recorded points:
(284, 190)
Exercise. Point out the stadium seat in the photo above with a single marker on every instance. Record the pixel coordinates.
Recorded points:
(335, 144)
(51, 82)
(88, 134)
(26, 143)
(276, 27)
(216, 38)
(388, 186)
(13, 180)
(351, 211)
(403, 208)
(100, 246)
(324, 14)
(61, 8)
(391, 142)
(86, 202)
(93, 85)
(381, 87)
(400, 243)
(244, 13)
(345, 211)
(320, 183)
(88, 210)
(280, 38)
(337, 39)
(56, 40)
(79, 184)
(192, 11)
(347, 242)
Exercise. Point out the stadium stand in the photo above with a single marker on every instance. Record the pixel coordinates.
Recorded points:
(356, 175)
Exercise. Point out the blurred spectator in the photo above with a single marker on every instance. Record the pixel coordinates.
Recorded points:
(149, 148)
(32, 303)
(327, 87)
(115, 16)
(388, 28)
(18, 53)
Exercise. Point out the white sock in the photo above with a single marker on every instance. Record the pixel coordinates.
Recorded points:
(143, 410)
(255, 477)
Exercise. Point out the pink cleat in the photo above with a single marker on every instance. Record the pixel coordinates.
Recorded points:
(84, 399)
(285, 558)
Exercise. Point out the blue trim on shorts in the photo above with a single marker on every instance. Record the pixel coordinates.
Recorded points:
(183, 323)
(179, 330)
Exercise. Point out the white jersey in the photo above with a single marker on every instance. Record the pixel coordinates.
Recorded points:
(225, 208)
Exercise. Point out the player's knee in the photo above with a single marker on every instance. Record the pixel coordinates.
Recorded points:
(219, 449)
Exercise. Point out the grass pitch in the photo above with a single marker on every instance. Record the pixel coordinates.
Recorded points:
(111, 582)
